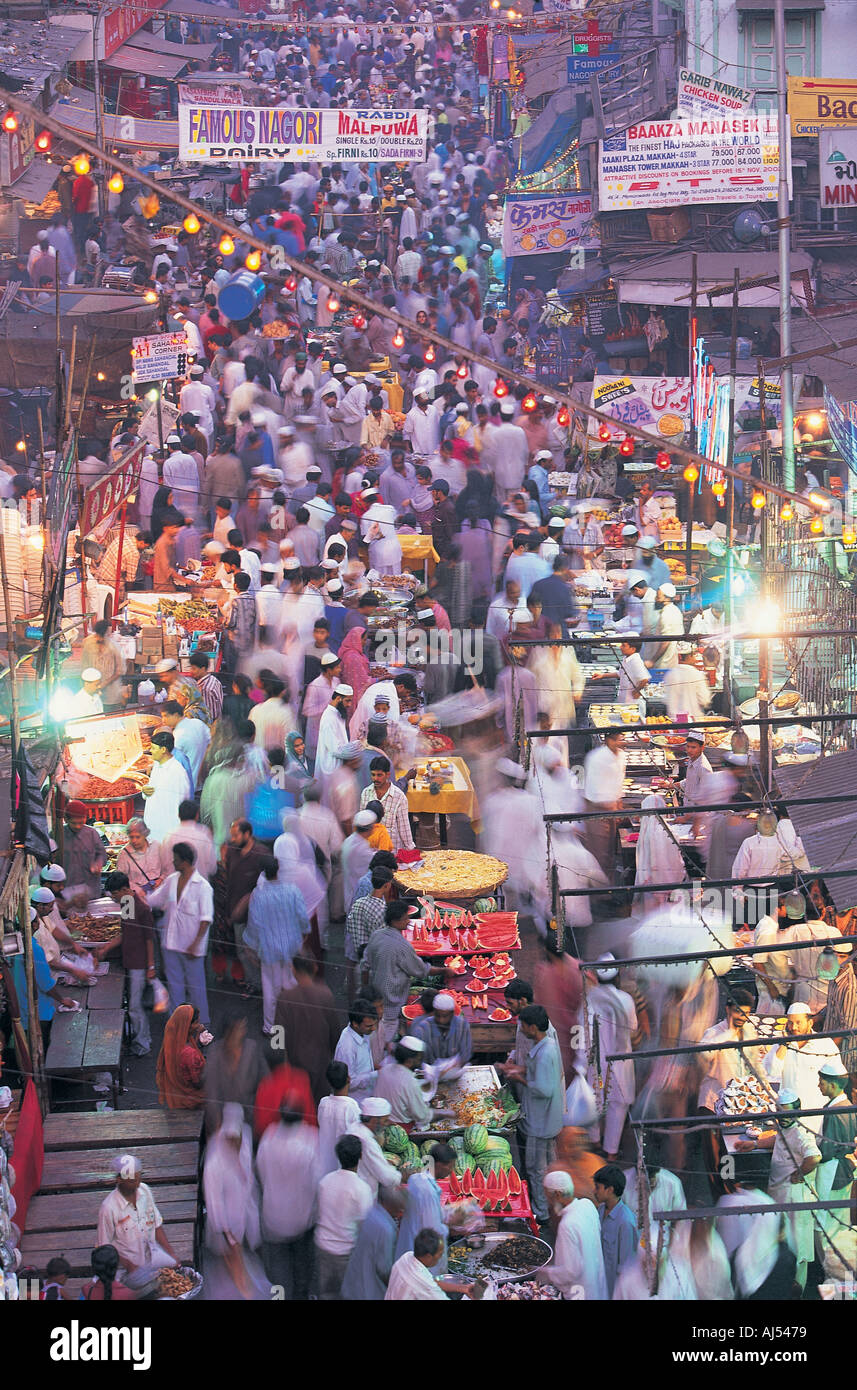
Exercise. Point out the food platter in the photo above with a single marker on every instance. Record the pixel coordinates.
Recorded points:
(467, 1256)
(455, 873)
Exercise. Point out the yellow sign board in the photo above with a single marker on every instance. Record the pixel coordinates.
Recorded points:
(819, 102)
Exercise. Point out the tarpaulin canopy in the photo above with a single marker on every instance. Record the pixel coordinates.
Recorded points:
(829, 833)
(76, 111)
(665, 278)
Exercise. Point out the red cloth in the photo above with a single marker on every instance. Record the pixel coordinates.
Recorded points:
(28, 1154)
(283, 1081)
(81, 193)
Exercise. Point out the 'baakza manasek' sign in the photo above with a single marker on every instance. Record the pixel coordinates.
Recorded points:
(223, 134)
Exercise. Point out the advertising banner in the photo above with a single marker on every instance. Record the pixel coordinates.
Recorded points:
(211, 94)
(816, 102)
(702, 159)
(112, 490)
(224, 134)
(661, 405)
(159, 357)
(698, 94)
(837, 168)
(592, 51)
(534, 226)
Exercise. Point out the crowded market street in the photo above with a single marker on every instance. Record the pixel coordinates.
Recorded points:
(427, 552)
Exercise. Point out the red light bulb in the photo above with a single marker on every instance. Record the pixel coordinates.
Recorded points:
(359, 322)
(291, 284)
(562, 416)
(529, 403)
(500, 388)
(462, 371)
(626, 447)
(662, 460)
(604, 433)
(429, 355)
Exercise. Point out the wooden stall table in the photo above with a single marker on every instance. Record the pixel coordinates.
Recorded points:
(456, 796)
(419, 555)
(85, 1043)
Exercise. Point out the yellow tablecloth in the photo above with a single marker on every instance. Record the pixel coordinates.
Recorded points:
(418, 551)
(454, 798)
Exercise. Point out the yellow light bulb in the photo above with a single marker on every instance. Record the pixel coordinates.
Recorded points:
(691, 473)
(191, 224)
(816, 526)
(81, 164)
(151, 297)
(848, 538)
(99, 376)
(116, 183)
(253, 260)
(718, 489)
(227, 246)
(21, 445)
(787, 513)
(758, 500)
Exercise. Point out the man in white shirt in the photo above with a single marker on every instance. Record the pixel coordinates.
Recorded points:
(287, 1164)
(129, 1220)
(686, 689)
(670, 626)
(187, 901)
(333, 730)
(181, 475)
(355, 1049)
(796, 1063)
(633, 672)
(603, 789)
(422, 427)
(344, 1199)
(192, 833)
(87, 700)
(374, 1168)
(577, 1268)
(169, 785)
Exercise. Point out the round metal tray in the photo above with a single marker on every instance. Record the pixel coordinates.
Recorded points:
(485, 1242)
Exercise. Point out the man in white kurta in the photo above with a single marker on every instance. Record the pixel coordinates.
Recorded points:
(613, 1082)
(577, 1268)
(411, 1281)
(333, 731)
(373, 1167)
(170, 786)
(513, 831)
(795, 1156)
(795, 1064)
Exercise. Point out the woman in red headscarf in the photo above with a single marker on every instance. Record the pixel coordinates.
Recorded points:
(181, 1063)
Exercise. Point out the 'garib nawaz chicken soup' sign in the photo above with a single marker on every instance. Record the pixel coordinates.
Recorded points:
(222, 134)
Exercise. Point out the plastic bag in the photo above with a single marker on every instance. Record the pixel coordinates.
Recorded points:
(161, 996)
(580, 1107)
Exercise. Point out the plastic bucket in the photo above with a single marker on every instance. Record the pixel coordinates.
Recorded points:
(241, 295)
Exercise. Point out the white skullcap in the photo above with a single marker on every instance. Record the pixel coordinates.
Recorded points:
(543, 454)
(558, 522)
(444, 1002)
(795, 1009)
(648, 543)
(412, 1044)
(213, 548)
(364, 819)
(169, 663)
(608, 974)
(375, 1105)
(507, 408)
(629, 530)
(343, 690)
(559, 1181)
(832, 1069)
(41, 895)
(329, 659)
(669, 589)
(126, 1164)
(694, 736)
(53, 873)
(787, 1098)
(90, 674)
(507, 768)
(292, 564)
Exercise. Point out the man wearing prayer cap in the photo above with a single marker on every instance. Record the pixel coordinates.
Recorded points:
(444, 1033)
(87, 700)
(611, 1013)
(795, 1156)
(373, 1167)
(796, 1060)
(836, 1171)
(129, 1220)
(669, 626)
(400, 1087)
(333, 730)
(577, 1268)
(84, 854)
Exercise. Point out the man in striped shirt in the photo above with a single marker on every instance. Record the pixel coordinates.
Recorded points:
(209, 685)
(394, 801)
(366, 915)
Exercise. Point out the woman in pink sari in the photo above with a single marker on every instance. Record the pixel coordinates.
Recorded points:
(355, 662)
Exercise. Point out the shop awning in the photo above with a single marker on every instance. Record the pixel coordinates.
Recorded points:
(36, 183)
(839, 371)
(194, 9)
(77, 113)
(191, 52)
(829, 833)
(665, 279)
(140, 61)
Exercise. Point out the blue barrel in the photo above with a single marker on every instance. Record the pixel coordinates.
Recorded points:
(241, 295)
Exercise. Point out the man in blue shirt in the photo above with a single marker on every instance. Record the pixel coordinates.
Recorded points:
(619, 1236)
(542, 1103)
(556, 594)
(445, 1033)
(372, 1258)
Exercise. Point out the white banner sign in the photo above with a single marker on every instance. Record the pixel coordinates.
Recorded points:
(534, 226)
(159, 357)
(661, 405)
(224, 134)
(211, 94)
(837, 168)
(705, 159)
(698, 94)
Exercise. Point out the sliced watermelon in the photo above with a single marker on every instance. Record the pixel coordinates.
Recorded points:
(479, 1184)
(454, 1186)
(467, 1182)
(514, 1179)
